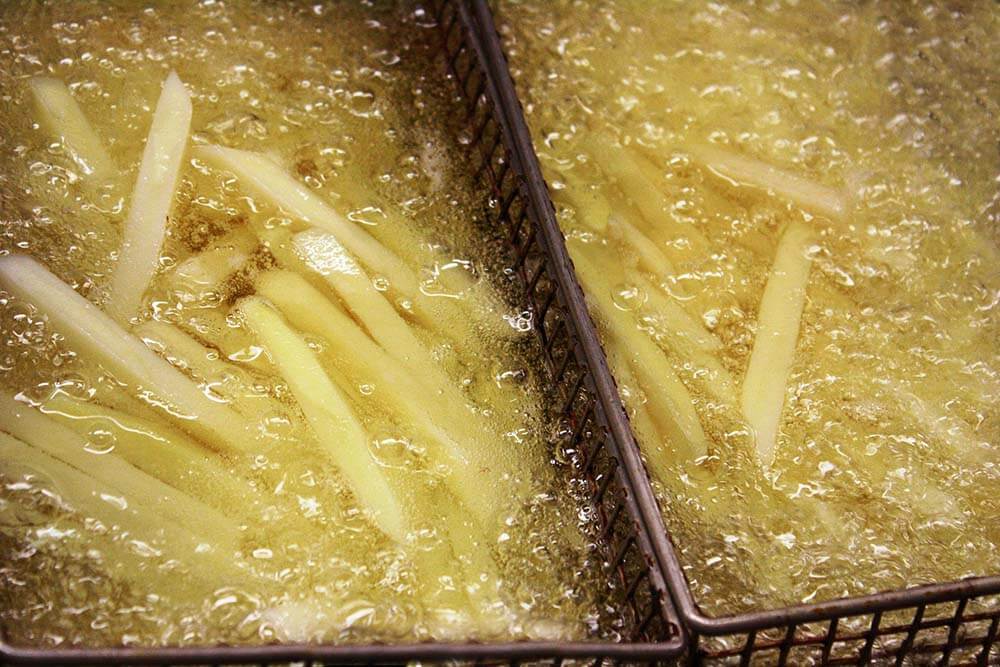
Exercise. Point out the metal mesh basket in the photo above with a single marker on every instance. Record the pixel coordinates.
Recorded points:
(952, 623)
(606, 460)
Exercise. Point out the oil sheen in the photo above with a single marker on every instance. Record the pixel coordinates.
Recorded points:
(351, 99)
(878, 124)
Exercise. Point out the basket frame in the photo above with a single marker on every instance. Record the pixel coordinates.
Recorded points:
(608, 467)
(820, 647)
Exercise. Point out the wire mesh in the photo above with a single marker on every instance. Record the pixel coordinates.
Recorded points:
(645, 627)
(952, 623)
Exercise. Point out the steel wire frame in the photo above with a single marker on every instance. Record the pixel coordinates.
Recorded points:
(954, 623)
(648, 629)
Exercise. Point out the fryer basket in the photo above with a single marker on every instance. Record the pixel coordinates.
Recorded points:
(954, 623)
(595, 438)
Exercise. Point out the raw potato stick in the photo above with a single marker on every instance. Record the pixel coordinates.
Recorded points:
(332, 420)
(266, 179)
(64, 118)
(670, 403)
(206, 365)
(474, 471)
(90, 332)
(651, 258)
(132, 485)
(152, 198)
(741, 170)
(324, 255)
(136, 521)
(764, 385)
(592, 208)
(204, 273)
(157, 450)
(638, 180)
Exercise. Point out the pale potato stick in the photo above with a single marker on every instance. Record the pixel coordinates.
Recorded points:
(44, 433)
(205, 272)
(682, 323)
(64, 118)
(333, 422)
(762, 395)
(651, 258)
(471, 468)
(650, 439)
(639, 181)
(90, 332)
(669, 401)
(136, 520)
(742, 170)
(266, 179)
(152, 198)
(185, 353)
(324, 255)
(592, 208)
(158, 450)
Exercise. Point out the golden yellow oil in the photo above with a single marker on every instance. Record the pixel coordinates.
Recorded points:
(887, 466)
(351, 98)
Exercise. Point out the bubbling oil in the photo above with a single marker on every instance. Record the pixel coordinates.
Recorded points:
(886, 472)
(350, 97)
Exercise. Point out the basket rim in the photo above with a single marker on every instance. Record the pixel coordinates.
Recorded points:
(342, 654)
(662, 543)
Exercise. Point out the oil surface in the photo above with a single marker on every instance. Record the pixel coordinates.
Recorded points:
(348, 97)
(886, 466)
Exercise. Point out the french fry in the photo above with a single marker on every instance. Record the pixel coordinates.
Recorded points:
(324, 255)
(134, 520)
(651, 258)
(64, 118)
(333, 422)
(670, 403)
(131, 484)
(266, 179)
(224, 379)
(741, 170)
(472, 466)
(202, 275)
(152, 198)
(158, 450)
(592, 208)
(637, 177)
(95, 335)
(762, 395)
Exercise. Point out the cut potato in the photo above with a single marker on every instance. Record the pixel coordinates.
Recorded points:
(64, 118)
(764, 385)
(158, 450)
(129, 483)
(741, 170)
(138, 522)
(669, 400)
(437, 414)
(152, 197)
(332, 419)
(90, 332)
(264, 178)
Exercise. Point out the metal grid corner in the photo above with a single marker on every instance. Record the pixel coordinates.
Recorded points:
(954, 623)
(646, 625)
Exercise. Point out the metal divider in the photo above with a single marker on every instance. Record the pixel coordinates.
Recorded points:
(596, 435)
(953, 623)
